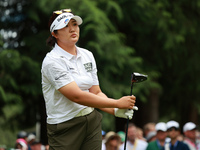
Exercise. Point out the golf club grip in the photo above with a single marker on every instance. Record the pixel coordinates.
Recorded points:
(131, 93)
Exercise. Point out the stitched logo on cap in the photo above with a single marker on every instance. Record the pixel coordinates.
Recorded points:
(66, 21)
(60, 18)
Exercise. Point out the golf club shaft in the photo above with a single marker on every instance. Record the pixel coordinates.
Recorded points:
(135, 78)
(128, 120)
(126, 134)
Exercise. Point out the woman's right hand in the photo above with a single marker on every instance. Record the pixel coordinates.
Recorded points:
(126, 102)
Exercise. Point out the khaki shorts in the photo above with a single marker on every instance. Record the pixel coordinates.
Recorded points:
(79, 133)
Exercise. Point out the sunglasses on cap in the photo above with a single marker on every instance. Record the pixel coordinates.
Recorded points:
(173, 128)
(58, 12)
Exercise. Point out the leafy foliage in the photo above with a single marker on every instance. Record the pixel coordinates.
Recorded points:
(166, 36)
(19, 79)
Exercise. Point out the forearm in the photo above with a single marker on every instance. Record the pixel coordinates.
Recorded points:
(95, 98)
(96, 101)
(108, 110)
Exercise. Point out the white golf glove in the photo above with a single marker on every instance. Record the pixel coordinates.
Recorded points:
(125, 113)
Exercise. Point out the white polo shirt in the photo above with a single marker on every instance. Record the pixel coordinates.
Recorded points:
(60, 68)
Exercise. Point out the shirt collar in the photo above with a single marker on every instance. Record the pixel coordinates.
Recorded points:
(158, 144)
(62, 52)
(174, 144)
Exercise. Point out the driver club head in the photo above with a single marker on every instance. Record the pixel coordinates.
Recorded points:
(137, 77)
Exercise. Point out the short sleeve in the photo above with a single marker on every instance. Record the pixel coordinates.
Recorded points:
(57, 75)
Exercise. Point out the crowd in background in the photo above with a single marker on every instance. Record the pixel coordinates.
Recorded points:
(25, 141)
(160, 136)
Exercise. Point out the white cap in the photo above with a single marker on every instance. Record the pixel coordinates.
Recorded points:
(150, 135)
(161, 126)
(189, 126)
(172, 123)
(31, 137)
(63, 19)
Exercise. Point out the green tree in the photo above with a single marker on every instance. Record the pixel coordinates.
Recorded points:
(20, 88)
(166, 35)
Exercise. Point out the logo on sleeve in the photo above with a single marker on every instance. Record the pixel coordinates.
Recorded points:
(57, 78)
(88, 67)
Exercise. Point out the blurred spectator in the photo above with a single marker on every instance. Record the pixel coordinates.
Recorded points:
(105, 138)
(189, 130)
(122, 136)
(112, 141)
(103, 134)
(37, 146)
(198, 135)
(132, 141)
(180, 137)
(2, 147)
(24, 135)
(198, 139)
(46, 147)
(31, 138)
(151, 136)
(21, 144)
(140, 134)
(161, 135)
(148, 128)
(173, 133)
(34, 144)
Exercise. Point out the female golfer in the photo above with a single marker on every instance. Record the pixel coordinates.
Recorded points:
(71, 89)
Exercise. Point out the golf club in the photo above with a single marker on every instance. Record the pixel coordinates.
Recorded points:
(135, 78)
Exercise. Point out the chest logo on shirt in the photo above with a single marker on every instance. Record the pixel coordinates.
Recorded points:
(88, 67)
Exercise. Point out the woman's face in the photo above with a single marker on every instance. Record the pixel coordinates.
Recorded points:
(68, 34)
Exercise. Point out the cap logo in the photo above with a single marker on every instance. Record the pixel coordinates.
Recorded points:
(60, 18)
(66, 21)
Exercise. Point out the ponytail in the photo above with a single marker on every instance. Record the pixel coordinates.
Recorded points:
(51, 41)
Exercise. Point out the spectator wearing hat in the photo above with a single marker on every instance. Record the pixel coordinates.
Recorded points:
(161, 134)
(173, 132)
(21, 144)
(112, 141)
(21, 141)
(106, 136)
(151, 136)
(133, 143)
(148, 127)
(122, 136)
(189, 130)
(31, 138)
